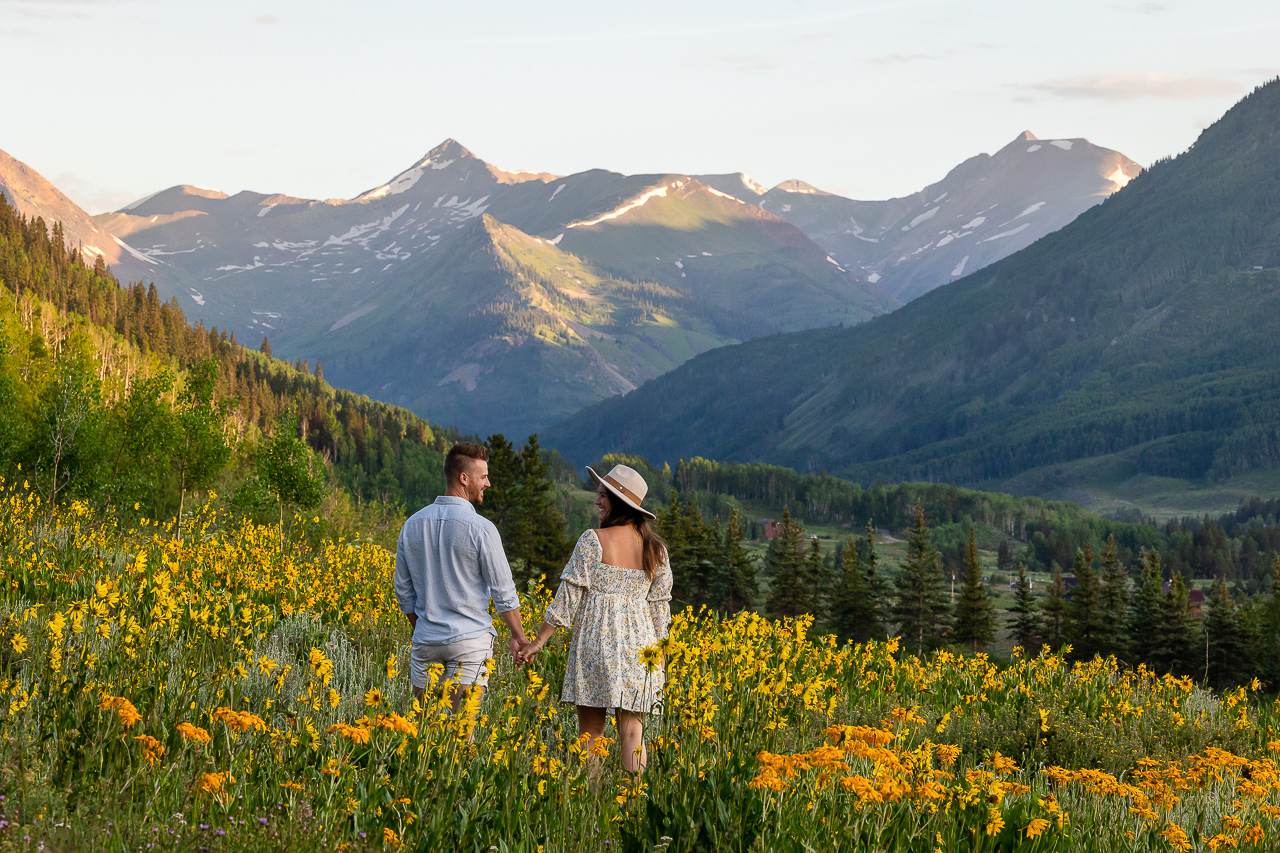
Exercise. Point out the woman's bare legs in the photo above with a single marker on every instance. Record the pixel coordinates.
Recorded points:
(631, 741)
(592, 721)
(630, 736)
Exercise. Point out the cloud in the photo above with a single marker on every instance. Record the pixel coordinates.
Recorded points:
(266, 19)
(1128, 86)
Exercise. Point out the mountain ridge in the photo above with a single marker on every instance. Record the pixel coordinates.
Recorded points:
(1101, 338)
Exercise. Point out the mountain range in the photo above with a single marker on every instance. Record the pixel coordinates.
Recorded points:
(1142, 334)
(987, 207)
(507, 301)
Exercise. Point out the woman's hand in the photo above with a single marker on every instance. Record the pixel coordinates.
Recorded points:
(529, 652)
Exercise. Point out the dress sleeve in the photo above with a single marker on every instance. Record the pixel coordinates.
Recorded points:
(660, 599)
(575, 580)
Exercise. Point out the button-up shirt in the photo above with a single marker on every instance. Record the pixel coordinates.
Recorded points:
(449, 563)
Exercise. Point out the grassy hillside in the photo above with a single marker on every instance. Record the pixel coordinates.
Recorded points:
(1143, 327)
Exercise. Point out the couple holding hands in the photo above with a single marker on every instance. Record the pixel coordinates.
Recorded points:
(614, 594)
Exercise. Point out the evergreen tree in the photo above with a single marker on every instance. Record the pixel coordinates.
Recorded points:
(876, 583)
(921, 608)
(1144, 609)
(855, 610)
(975, 617)
(1024, 623)
(1113, 598)
(785, 566)
(1004, 557)
(735, 587)
(1083, 611)
(1176, 632)
(520, 503)
(265, 349)
(1055, 611)
(817, 577)
(1228, 656)
(539, 536)
(1269, 626)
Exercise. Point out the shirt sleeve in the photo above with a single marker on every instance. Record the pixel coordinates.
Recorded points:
(660, 599)
(406, 595)
(497, 571)
(574, 582)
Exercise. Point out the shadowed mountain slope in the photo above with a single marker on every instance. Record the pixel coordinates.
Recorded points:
(1146, 328)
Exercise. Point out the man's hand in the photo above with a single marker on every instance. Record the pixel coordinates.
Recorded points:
(529, 652)
(518, 645)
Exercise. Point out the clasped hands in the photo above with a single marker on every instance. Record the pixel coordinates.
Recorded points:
(524, 650)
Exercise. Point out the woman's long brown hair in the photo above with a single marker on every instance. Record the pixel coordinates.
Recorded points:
(654, 548)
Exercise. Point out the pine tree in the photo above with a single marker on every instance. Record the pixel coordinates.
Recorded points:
(1176, 631)
(1004, 557)
(855, 611)
(975, 617)
(1269, 625)
(921, 608)
(1228, 658)
(735, 587)
(1055, 611)
(876, 583)
(265, 349)
(784, 562)
(1025, 622)
(1083, 613)
(1113, 599)
(1144, 610)
(540, 543)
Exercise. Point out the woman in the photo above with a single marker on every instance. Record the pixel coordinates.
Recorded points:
(615, 594)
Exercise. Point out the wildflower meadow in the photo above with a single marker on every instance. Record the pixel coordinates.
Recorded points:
(228, 690)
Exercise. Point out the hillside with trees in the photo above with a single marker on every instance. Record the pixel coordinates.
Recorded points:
(1143, 332)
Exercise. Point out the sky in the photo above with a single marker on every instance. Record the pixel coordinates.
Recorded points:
(112, 100)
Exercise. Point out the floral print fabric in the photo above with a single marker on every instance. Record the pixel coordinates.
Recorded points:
(613, 613)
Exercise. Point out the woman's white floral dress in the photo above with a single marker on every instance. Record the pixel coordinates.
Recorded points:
(614, 613)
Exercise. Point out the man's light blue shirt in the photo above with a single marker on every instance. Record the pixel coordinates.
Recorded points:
(449, 563)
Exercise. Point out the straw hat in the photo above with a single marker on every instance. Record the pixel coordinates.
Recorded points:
(625, 484)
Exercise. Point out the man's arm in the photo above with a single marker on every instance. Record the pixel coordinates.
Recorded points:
(406, 595)
(502, 589)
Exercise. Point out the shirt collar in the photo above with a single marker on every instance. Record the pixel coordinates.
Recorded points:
(452, 501)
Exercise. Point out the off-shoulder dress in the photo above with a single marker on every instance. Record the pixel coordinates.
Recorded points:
(613, 613)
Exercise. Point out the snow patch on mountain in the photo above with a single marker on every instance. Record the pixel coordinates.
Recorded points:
(657, 192)
(928, 214)
(715, 191)
(405, 180)
(134, 252)
(1064, 144)
(352, 317)
(1008, 233)
(959, 269)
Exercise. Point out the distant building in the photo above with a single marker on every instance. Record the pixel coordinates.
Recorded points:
(772, 527)
(1195, 598)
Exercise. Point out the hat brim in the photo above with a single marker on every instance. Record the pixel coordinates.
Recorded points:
(613, 491)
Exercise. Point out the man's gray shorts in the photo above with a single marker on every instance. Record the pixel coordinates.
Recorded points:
(464, 661)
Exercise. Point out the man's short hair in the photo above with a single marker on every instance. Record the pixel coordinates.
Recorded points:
(459, 459)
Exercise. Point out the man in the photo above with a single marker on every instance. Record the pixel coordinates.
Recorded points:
(449, 563)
